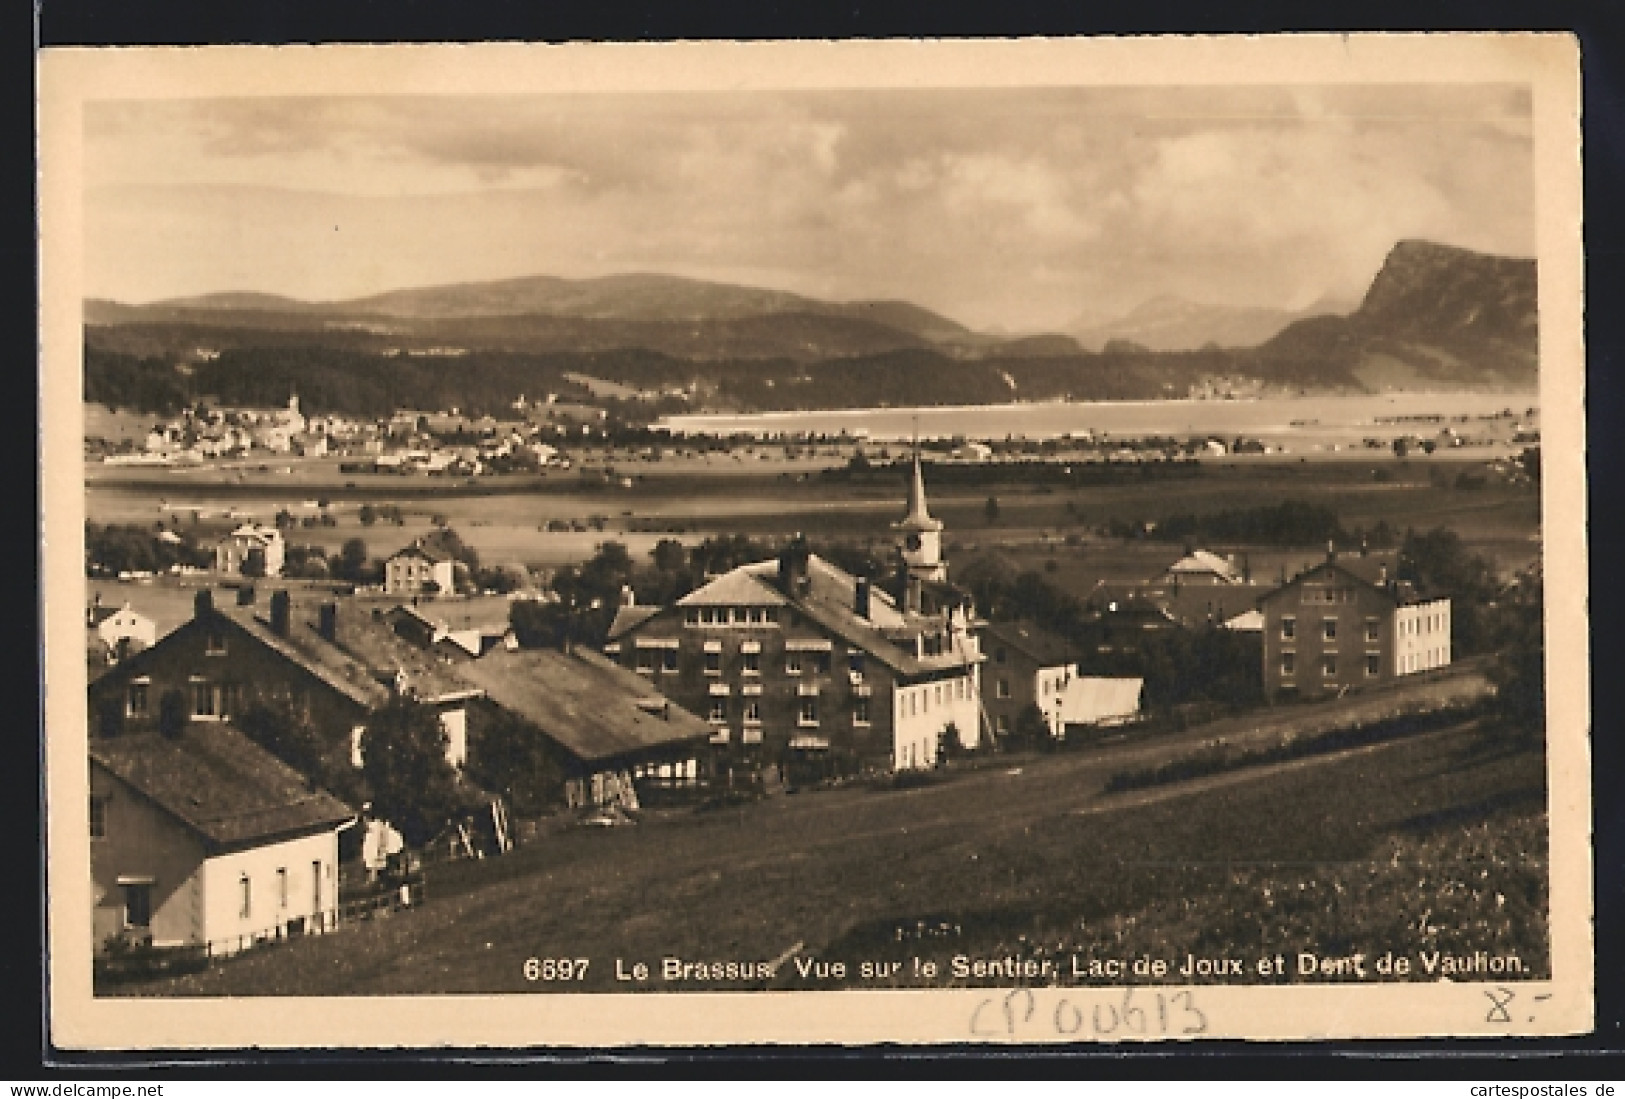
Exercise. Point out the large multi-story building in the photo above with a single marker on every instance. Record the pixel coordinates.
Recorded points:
(1331, 629)
(793, 659)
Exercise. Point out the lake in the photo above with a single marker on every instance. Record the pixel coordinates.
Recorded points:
(1265, 418)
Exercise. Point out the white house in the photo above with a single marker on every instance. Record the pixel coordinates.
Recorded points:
(251, 543)
(419, 569)
(122, 630)
(205, 839)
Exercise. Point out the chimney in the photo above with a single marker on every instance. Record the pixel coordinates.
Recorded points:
(328, 621)
(202, 603)
(793, 565)
(1365, 548)
(860, 597)
(280, 613)
(1331, 550)
(629, 598)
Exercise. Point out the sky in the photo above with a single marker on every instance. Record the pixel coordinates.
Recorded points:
(1008, 210)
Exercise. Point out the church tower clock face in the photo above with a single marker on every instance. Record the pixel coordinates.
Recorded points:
(913, 543)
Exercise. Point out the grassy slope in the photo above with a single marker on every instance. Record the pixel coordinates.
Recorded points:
(997, 855)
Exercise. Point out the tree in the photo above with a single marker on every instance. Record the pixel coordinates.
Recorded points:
(990, 510)
(403, 761)
(286, 730)
(352, 561)
(1031, 730)
(508, 756)
(1519, 673)
(538, 625)
(669, 555)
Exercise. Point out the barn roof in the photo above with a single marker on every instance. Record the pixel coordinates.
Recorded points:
(591, 707)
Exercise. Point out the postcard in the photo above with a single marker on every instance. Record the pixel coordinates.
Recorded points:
(994, 542)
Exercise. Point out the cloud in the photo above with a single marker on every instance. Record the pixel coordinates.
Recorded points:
(1018, 207)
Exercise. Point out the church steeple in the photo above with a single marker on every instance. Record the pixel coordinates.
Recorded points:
(919, 515)
(921, 535)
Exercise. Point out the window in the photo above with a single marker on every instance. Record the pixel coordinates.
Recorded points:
(245, 897)
(98, 818)
(913, 704)
(753, 663)
(713, 663)
(691, 616)
(939, 694)
(1003, 688)
(773, 615)
(137, 904)
(1001, 724)
(646, 660)
(202, 699)
(669, 660)
(854, 664)
(753, 712)
(1328, 666)
(214, 643)
(998, 655)
(719, 711)
(228, 699)
(758, 615)
(1289, 627)
(708, 616)
(282, 887)
(792, 663)
(316, 885)
(1289, 663)
(140, 698)
(1373, 630)
(809, 712)
(1373, 664)
(860, 711)
(1328, 629)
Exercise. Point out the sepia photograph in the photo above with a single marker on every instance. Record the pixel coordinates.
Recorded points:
(987, 542)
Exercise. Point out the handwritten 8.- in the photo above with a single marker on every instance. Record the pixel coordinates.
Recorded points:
(1042, 1013)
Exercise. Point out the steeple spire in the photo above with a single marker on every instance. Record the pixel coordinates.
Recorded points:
(919, 514)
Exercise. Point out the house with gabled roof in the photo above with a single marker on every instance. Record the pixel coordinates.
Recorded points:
(119, 631)
(1349, 622)
(251, 550)
(202, 838)
(1027, 665)
(419, 568)
(1203, 567)
(333, 661)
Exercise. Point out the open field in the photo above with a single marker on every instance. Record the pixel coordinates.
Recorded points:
(1028, 849)
(502, 517)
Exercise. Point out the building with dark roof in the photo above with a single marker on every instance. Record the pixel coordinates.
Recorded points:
(1026, 666)
(202, 838)
(793, 660)
(606, 729)
(1347, 623)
